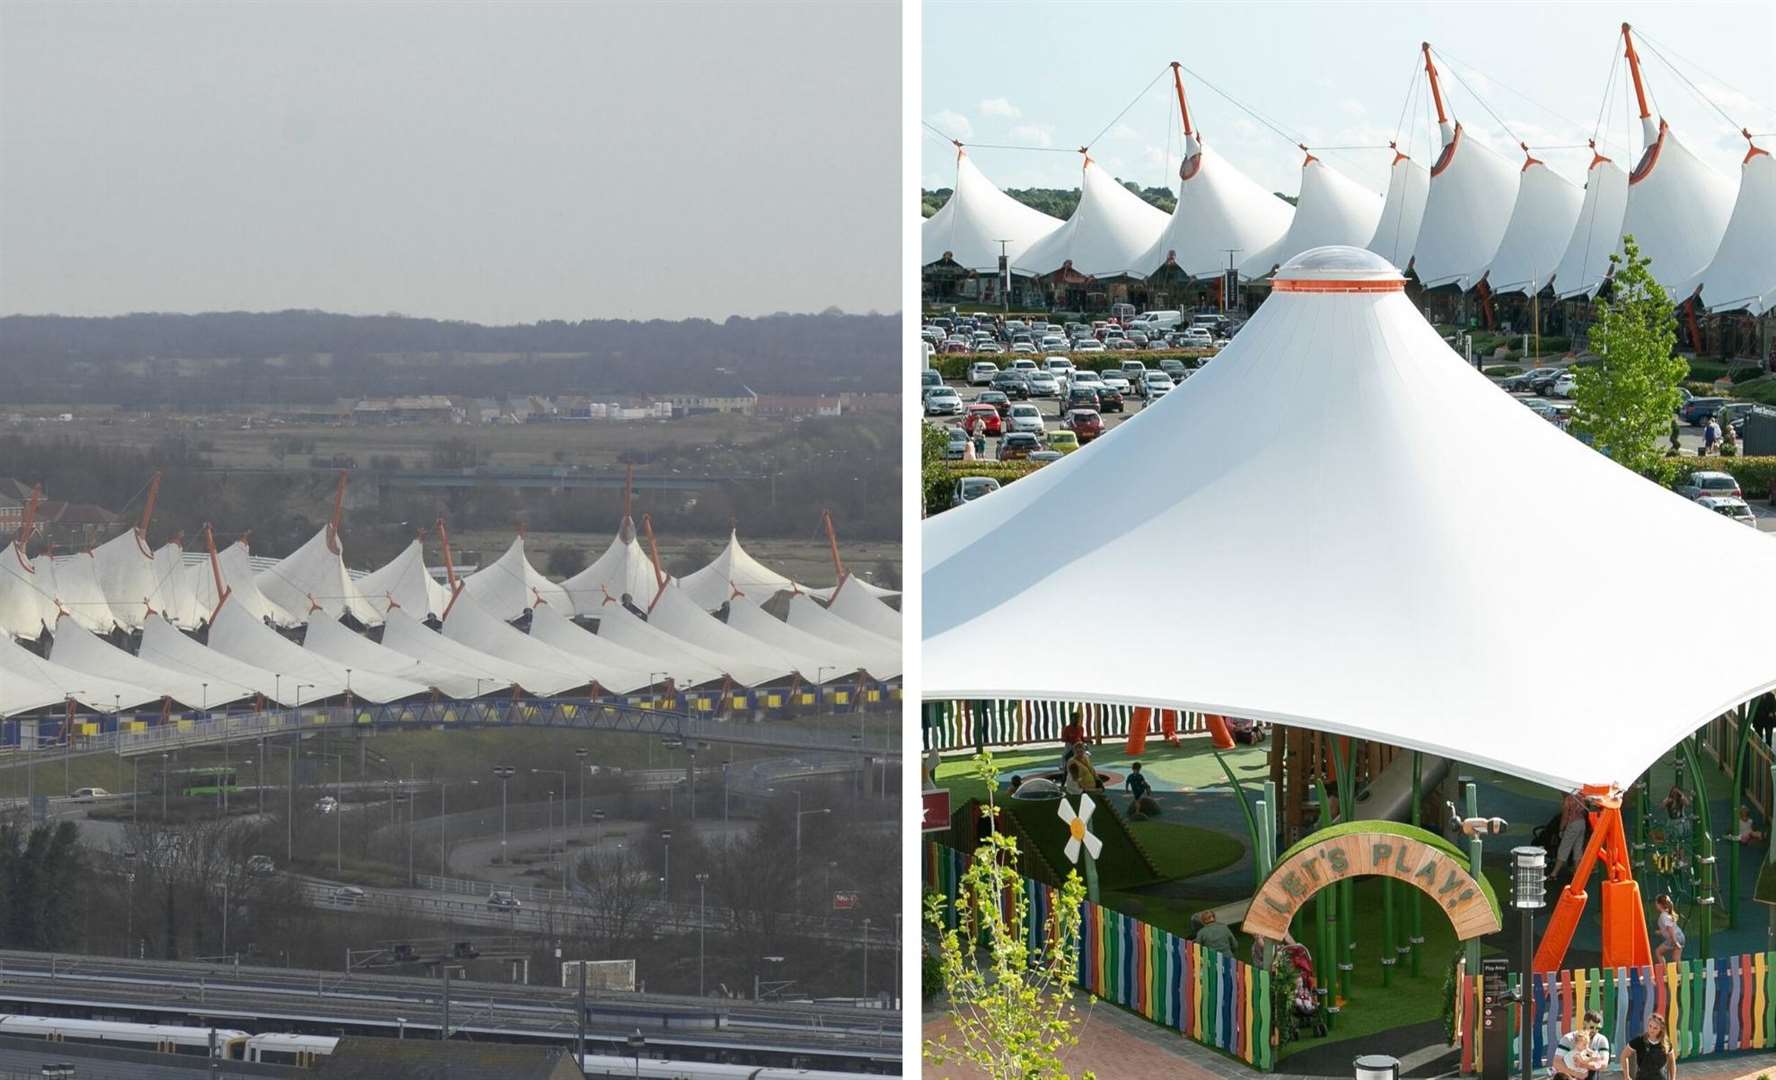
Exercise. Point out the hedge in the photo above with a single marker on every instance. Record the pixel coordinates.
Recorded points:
(955, 365)
(939, 496)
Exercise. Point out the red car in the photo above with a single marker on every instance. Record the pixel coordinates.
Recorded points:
(1084, 423)
(983, 420)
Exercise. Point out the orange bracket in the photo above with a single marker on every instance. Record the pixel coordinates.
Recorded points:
(1625, 942)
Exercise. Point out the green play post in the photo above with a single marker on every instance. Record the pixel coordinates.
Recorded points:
(1704, 848)
(1471, 800)
(1743, 748)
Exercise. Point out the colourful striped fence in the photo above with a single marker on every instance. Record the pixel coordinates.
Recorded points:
(1207, 996)
(963, 725)
(1714, 1006)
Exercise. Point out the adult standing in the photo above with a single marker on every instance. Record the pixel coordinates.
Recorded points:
(1650, 1056)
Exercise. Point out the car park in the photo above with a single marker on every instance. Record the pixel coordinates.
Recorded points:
(1018, 445)
(1024, 417)
(942, 401)
(1085, 424)
(981, 372)
(1730, 507)
(1706, 482)
(970, 488)
(983, 420)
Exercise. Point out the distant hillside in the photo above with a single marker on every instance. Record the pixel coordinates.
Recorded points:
(228, 357)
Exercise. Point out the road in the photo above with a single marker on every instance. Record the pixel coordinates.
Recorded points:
(274, 999)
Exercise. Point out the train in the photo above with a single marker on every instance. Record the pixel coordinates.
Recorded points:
(303, 1051)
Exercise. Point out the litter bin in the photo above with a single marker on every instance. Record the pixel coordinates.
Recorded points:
(1377, 1067)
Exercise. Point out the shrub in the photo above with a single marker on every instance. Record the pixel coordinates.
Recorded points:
(1745, 373)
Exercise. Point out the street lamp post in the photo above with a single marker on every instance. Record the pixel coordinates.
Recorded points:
(504, 773)
(866, 956)
(800, 814)
(580, 778)
(1529, 888)
(636, 1044)
(163, 786)
(702, 921)
(666, 866)
(551, 824)
(338, 811)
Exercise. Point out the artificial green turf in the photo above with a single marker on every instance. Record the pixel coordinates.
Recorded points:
(1184, 851)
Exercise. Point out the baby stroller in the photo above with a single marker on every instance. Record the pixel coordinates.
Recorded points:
(1309, 1011)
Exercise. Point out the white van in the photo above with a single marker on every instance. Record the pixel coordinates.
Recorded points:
(1161, 320)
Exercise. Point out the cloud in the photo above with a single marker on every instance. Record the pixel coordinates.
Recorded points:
(953, 124)
(1034, 134)
(1000, 107)
(1352, 106)
(1121, 132)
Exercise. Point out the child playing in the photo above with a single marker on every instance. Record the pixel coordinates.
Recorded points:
(1671, 935)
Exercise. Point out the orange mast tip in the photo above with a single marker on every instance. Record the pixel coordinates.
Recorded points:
(1436, 87)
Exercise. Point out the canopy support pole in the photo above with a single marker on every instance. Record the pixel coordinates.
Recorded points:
(338, 512)
(647, 523)
(148, 514)
(1183, 106)
(222, 591)
(832, 540)
(456, 585)
(1416, 938)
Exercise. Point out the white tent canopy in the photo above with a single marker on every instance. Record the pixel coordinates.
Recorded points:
(73, 583)
(852, 581)
(620, 670)
(686, 664)
(198, 584)
(623, 570)
(509, 586)
(77, 648)
(547, 671)
(1742, 274)
(27, 675)
(732, 571)
(1219, 208)
(130, 577)
(1371, 604)
(407, 583)
(861, 609)
(1473, 193)
(880, 656)
(165, 645)
(1585, 263)
(976, 218)
(1331, 209)
(336, 642)
(824, 659)
(26, 607)
(236, 633)
(748, 660)
(186, 597)
(1107, 235)
(314, 576)
(1402, 211)
(1541, 223)
(410, 637)
(1677, 212)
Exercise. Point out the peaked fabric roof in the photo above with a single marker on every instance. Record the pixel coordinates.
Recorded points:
(76, 647)
(343, 646)
(1541, 224)
(407, 582)
(1473, 193)
(191, 595)
(729, 572)
(861, 609)
(977, 216)
(852, 581)
(72, 582)
(822, 658)
(549, 671)
(25, 679)
(880, 656)
(130, 578)
(1218, 208)
(1331, 209)
(236, 633)
(1108, 234)
(1677, 212)
(1370, 608)
(623, 569)
(1402, 211)
(619, 670)
(410, 637)
(686, 664)
(509, 586)
(314, 574)
(25, 604)
(166, 646)
(1597, 232)
(1742, 274)
(748, 660)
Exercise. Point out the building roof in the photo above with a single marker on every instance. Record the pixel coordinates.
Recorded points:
(1541, 223)
(1365, 603)
(1473, 191)
(1107, 235)
(1332, 209)
(1402, 211)
(1219, 208)
(360, 1058)
(977, 216)
(1742, 274)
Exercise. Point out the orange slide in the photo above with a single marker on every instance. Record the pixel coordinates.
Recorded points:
(1625, 942)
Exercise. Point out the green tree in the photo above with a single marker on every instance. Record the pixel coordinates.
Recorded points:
(1625, 403)
(1012, 1007)
(936, 481)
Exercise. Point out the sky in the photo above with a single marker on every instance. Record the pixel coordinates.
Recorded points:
(494, 162)
(1330, 74)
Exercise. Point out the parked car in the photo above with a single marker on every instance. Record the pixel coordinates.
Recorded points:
(1115, 381)
(1024, 417)
(503, 899)
(981, 372)
(1707, 482)
(1520, 382)
(1156, 384)
(1088, 345)
(983, 420)
(1727, 506)
(1012, 384)
(1081, 397)
(954, 346)
(1174, 367)
(995, 398)
(1024, 366)
(1018, 445)
(1064, 439)
(930, 377)
(348, 894)
(942, 401)
(1196, 336)
(1043, 384)
(1022, 347)
(1733, 413)
(1109, 399)
(327, 804)
(1562, 386)
(955, 443)
(970, 488)
(988, 347)
(1086, 377)
(88, 794)
(1085, 424)
(1697, 410)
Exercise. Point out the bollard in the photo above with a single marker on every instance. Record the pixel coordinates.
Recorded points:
(1377, 1067)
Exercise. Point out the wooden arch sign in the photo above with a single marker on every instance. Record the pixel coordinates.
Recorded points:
(1406, 853)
